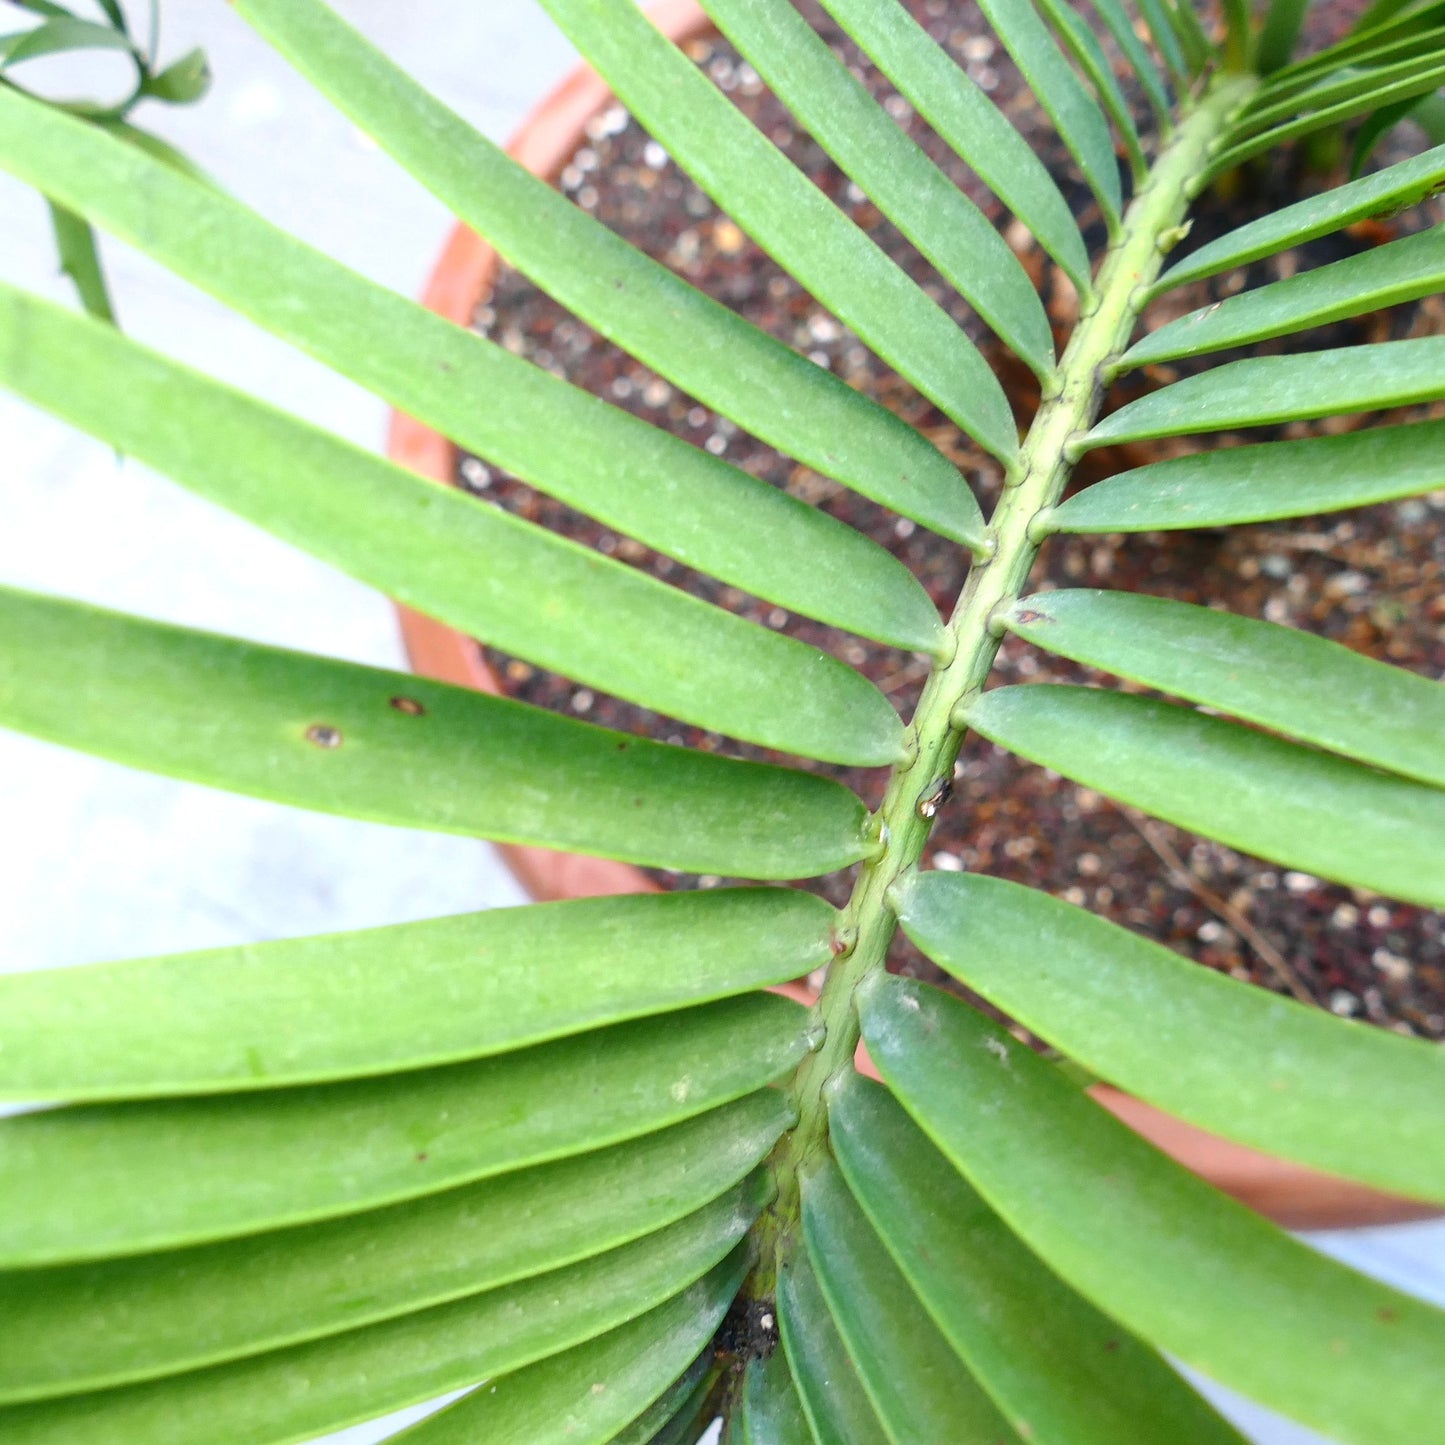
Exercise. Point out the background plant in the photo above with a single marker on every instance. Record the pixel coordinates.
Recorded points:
(300, 1184)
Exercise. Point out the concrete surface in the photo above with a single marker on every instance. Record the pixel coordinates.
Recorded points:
(106, 863)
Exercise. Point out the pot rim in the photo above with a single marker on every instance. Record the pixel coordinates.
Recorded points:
(1290, 1194)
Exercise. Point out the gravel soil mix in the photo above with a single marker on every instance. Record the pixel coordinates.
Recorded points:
(1369, 578)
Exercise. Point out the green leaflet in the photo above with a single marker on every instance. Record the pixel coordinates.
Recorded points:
(1289, 681)
(1120, 25)
(671, 1419)
(638, 303)
(464, 562)
(385, 999)
(1384, 193)
(1080, 122)
(1157, 20)
(1261, 483)
(1234, 1059)
(1417, 80)
(1345, 86)
(919, 1387)
(633, 476)
(1400, 47)
(1058, 1368)
(291, 1395)
(558, 1402)
(1402, 271)
(1278, 800)
(112, 1179)
(770, 1412)
(1091, 58)
(790, 218)
(978, 132)
(80, 1327)
(829, 1390)
(1188, 1269)
(1283, 21)
(875, 152)
(393, 748)
(1265, 390)
(79, 258)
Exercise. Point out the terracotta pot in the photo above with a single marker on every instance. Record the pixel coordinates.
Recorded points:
(1292, 1195)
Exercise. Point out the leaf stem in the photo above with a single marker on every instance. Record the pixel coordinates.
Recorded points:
(1037, 481)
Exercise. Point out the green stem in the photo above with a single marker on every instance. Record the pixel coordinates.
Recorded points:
(936, 731)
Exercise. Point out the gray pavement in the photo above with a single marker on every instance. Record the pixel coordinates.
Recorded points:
(106, 863)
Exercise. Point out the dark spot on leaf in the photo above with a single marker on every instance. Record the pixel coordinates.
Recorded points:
(323, 735)
(622, 747)
(421, 1158)
(1386, 1315)
(1028, 615)
(1112, 1346)
(409, 705)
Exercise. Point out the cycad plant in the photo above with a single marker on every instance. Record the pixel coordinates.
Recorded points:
(573, 1159)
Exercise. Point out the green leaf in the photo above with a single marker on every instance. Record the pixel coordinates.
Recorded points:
(919, 1387)
(964, 117)
(1078, 119)
(829, 1390)
(1382, 194)
(584, 1396)
(788, 216)
(770, 1412)
(58, 36)
(1234, 1059)
(1289, 681)
(1275, 799)
(143, 140)
(1058, 1368)
(1188, 1269)
(1413, 80)
(109, 1179)
(710, 353)
(468, 563)
(672, 1418)
(1196, 45)
(1156, 18)
(1283, 21)
(290, 1395)
(183, 82)
(79, 259)
(393, 748)
(1120, 25)
(81, 1327)
(871, 148)
(1266, 390)
(1401, 271)
(1262, 483)
(346, 1005)
(633, 476)
(1343, 86)
(1091, 58)
(1388, 49)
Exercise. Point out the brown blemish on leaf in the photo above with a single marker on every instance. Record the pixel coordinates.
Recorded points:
(323, 735)
(409, 705)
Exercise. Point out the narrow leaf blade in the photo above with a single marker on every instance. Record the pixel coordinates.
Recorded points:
(1278, 800)
(393, 748)
(1234, 1059)
(1389, 275)
(789, 216)
(977, 131)
(84, 1327)
(919, 1387)
(1289, 681)
(770, 1412)
(415, 995)
(598, 458)
(1058, 1368)
(1266, 390)
(1262, 483)
(697, 343)
(103, 1180)
(1188, 1269)
(908, 188)
(552, 601)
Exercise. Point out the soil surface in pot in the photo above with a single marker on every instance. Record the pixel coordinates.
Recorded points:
(1369, 578)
